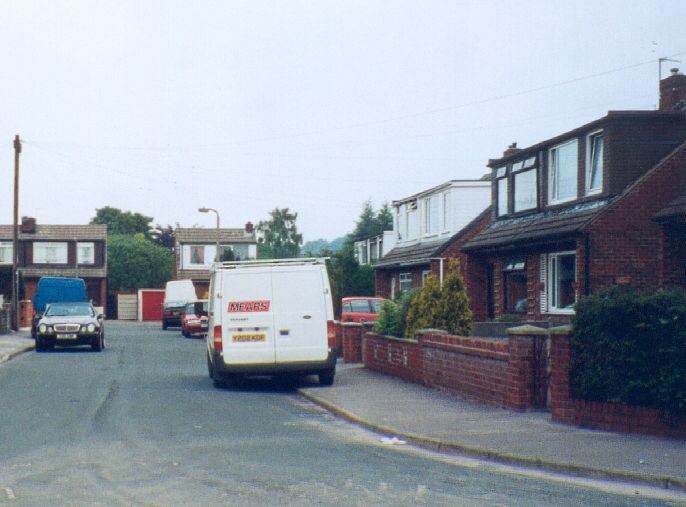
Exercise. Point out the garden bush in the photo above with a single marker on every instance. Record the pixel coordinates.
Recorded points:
(630, 347)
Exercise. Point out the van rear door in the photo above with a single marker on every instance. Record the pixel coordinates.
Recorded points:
(248, 323)
(300, 325)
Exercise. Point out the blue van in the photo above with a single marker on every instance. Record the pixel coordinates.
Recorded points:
(54, 289)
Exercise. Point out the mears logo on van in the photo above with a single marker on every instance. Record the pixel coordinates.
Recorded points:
(249, 306)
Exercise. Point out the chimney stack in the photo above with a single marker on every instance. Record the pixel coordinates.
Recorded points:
(511, 150)
(28, 225)
(673, 92)
(249, 228)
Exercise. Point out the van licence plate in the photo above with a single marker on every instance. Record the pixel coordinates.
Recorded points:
(66, 336)
(253, 337)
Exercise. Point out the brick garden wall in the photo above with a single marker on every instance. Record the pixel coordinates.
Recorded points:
(398, 357)
(607, 416)
(493, 371)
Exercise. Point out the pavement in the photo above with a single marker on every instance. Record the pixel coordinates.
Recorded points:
(402, 412)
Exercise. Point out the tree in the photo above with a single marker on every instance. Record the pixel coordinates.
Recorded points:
(280, 238)
(347, 277)
(135, 263)
(122, 222)
(163, 236)
(372, 223)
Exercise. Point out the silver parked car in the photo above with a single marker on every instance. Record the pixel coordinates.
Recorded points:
(69, 325)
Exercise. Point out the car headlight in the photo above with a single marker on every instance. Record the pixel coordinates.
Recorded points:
(42, 328)
(90, 328)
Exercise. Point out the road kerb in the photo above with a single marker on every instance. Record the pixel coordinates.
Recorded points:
(438, 445)
(8, 357)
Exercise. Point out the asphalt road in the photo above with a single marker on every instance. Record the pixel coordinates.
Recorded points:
(141, 424)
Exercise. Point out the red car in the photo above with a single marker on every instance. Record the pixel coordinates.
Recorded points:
(194, 319)
(360, 309)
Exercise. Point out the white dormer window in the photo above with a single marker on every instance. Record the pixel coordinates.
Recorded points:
(431, 215)
(562, 172)
(594, 162)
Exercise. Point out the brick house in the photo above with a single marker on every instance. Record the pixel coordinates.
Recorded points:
(597, 206)
(427, 225)
(196, 248)
(57, 250)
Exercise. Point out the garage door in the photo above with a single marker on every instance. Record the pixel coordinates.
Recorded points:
(150, 301)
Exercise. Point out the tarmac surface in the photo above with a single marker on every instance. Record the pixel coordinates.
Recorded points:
(407, 412)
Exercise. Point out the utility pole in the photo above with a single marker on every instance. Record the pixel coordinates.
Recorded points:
(15, 238)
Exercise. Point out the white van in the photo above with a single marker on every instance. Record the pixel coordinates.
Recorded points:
(268, 317)
(176, 294)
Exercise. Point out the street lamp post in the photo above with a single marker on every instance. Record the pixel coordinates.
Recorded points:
(207, 210)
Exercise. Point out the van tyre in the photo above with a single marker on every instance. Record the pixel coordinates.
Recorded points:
(326, 377)
(210, 368)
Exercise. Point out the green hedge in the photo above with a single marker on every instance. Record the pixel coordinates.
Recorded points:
(630, 347)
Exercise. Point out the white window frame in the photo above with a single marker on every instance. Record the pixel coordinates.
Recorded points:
(590, 138)
(50, 252)
(553, 173)
(85, 252)
(425, 273)
(6, 252)
(552, 287)
(431, 216)
(519, 175)
(502, 199)
(404, 281)
(447, 223)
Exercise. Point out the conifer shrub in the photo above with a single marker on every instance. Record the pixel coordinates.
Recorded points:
(630, 347)
(441, 307)
(393, 314)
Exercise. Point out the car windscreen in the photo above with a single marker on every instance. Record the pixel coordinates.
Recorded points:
(64, 310)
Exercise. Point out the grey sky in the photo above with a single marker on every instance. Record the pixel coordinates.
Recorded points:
(161, 107)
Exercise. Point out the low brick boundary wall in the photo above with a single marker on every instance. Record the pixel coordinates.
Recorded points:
(351, 335)
(494, 371)
(606, 416)
(399, 357)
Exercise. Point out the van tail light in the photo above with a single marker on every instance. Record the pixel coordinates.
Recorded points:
(217, 339)
(331, 332)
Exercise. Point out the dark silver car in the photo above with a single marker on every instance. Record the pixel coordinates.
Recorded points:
(69, 325)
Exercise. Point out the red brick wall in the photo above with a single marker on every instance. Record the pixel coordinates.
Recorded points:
(351, 334)
(492, 371)
(394, 356)
(473, 368)
(607, 416)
